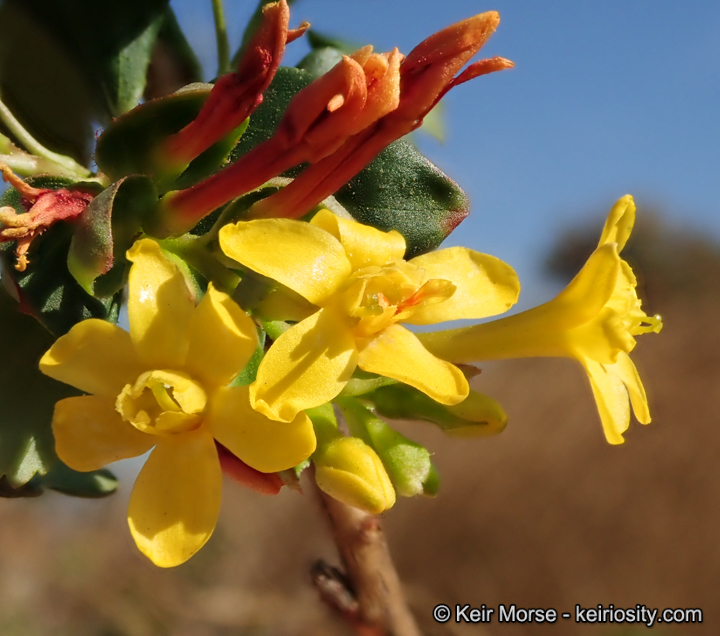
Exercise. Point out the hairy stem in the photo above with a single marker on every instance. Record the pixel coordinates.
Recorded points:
(381, 608)
(35, 147)
(221, 36)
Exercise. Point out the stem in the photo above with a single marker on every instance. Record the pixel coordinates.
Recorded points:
(381, 607)
(223, 45)
(35, 147)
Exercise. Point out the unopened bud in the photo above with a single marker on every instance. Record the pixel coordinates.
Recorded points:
(476, 416)
(350, 471)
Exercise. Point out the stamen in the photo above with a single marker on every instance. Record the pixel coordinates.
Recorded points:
(164, 400)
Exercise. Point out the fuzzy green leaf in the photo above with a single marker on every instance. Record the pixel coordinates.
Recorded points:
(92, 485)
(105, 231)
(47, 289)
(111, 42)
(129, 145)
(27, 397)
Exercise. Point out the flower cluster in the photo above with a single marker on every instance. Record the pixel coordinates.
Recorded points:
(211, 378)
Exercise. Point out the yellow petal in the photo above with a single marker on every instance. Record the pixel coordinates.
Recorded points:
(626, 371)
(364, 245)
(95, 357)
(90, 434)
(175, 503)
(159, 307)
(301, 256)
(305, 367)
(486, 286)
(264, 444)
(612, 400)
(587, 293)
(619, 223)
(222, 339)
(397, 353)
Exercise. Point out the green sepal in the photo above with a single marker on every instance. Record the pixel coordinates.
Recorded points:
(363, 382)
(105, 231)
(249, 373)
(27, 396)
(325, 425)
(407, 463)
(431, 485)
(47, 290)
(130, 145)
(477, 416)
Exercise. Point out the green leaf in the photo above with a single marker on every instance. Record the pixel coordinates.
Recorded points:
(129, 145)
(263, 122)
(176, 59)
(46, 288)
(320, 61)
(42, 85)
(27, 397)
(105, 231)
(111, 42)
(92, 485)
(400, 190)
(319, 40)
(407, 463)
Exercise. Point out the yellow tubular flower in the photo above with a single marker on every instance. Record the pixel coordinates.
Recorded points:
(362, 287)
(594, 320)
(163, 385)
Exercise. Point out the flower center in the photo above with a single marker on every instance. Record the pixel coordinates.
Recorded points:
(162, 403)
(380, 296)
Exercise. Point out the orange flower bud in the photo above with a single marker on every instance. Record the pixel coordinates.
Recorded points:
(426, 75)
(319, 120)
(236, 95)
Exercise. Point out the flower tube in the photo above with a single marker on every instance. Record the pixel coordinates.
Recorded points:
(595, 320)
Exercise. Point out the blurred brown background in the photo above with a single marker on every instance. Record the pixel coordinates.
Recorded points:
(545, 515)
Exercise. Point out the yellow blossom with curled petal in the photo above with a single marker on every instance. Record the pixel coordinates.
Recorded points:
(594, 320)
(362, 288)
(164, 385)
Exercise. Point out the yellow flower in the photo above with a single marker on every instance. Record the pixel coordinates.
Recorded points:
(594, 320)
(355, 275)
(163, 385)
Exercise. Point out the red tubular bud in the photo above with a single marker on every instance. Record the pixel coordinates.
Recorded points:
(239, 471)
(426, 75)
(318, 121)
(236, 95)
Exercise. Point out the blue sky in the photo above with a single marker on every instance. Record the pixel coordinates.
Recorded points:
(607, 98)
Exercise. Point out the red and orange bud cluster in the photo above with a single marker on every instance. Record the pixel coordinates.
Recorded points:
(44, 207)
(339, 123)
(236, 95)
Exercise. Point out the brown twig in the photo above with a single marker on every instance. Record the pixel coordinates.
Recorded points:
(370, 577)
